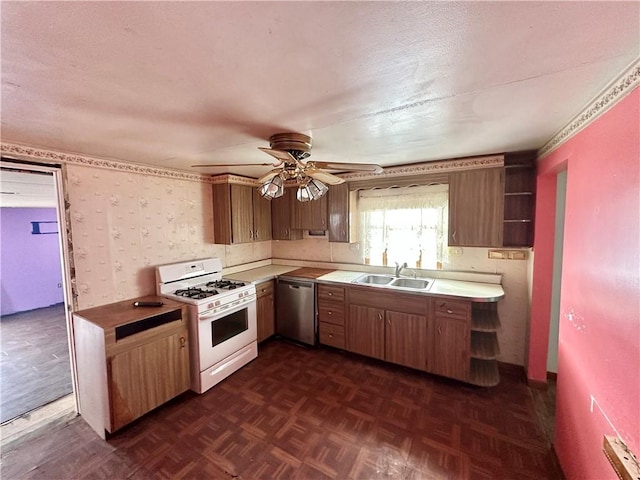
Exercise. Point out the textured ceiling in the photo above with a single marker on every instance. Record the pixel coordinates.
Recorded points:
(177, 83)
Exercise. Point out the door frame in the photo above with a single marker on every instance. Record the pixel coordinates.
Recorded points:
(65, 246)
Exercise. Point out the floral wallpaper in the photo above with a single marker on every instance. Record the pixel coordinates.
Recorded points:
(123, 224)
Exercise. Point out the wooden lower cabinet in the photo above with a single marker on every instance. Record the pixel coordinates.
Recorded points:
(406, 339)
(129, 360)
(449, 355)
(452, 338)
(365, 331)
(144, 377)
(265, 310)
(391, 326)
(331, 301)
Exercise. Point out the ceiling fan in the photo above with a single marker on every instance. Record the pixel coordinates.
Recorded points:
(291, 151)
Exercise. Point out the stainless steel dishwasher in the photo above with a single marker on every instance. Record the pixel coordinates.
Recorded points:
(296, 310)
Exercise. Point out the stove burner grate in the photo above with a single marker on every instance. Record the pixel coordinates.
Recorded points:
(196, 293)
(225, 284)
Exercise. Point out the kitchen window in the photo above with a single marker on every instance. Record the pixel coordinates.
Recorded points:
(406, 224)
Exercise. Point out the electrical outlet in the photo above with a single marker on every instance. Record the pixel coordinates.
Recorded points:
(354, 246)
(455, 251)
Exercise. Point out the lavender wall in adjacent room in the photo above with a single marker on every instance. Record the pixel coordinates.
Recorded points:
(30, 268)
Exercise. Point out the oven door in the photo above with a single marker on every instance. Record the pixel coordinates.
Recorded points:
(221, 334)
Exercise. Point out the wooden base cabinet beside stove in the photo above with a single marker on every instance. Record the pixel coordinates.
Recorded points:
(129, 360)
(265, 309)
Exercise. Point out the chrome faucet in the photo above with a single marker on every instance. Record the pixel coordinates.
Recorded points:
(399, 268)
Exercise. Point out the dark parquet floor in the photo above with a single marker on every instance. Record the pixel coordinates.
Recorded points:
(300, 413)
(34, 360)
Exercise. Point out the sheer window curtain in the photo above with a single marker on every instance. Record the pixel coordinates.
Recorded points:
(409, 223)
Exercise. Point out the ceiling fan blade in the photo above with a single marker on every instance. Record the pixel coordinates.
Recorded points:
(281, 155)
(351, 167)
(205, 165)
(269, 175)
(324, 177)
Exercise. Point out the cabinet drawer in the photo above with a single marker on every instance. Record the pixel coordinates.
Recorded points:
(332, 335)
(335, 294)
(331, 312)
(264, 288)
(453, 309)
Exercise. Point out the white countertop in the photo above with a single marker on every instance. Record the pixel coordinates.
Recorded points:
(261, 274)
(475, 291)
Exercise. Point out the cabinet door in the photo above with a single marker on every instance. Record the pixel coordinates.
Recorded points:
(310, 215)
(476, 206)
(406, 339)
(265, 310)
(261, 217)
(338, 212)
(222, 213)
(365, 331)
(145, 377)
(241, 214)
(451, 348)
(281, 209)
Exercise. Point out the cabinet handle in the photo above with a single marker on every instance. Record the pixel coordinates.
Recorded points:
(257, 233)
(439, 329)
(250, 233)
(183, 342)
(330, 294)
(388, 321)
(329, 312)
(264, 290)
(454, 235)
(331, 335)
(379, 316)
(449, 311)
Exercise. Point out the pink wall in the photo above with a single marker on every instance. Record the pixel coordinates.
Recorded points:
(29, 263)
(599, 342)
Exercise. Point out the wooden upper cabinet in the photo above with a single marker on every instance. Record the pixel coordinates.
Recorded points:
(519, 198)
(281, 210)
(240, 214)
(476, 207)
(338, 213)
(261, 217)
(310, 215)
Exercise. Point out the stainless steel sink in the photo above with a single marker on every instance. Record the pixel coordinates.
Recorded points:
(389, 281)
(374, 279)
(414, 283)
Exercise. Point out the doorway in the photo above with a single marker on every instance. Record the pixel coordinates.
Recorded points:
(36, 368)
(558, 242)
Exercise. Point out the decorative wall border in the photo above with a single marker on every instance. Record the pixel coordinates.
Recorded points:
(235, 179)
(48, 156)
(624, 84)
(467, 163)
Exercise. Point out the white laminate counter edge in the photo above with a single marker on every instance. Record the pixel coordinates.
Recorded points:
(474, 291)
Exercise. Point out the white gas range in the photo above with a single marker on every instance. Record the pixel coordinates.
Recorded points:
(222, 318)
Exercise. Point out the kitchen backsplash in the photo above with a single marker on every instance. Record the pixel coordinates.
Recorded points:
(123, 224)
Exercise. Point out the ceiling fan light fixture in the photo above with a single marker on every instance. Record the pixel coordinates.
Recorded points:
(272, 188)
(312, 190)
